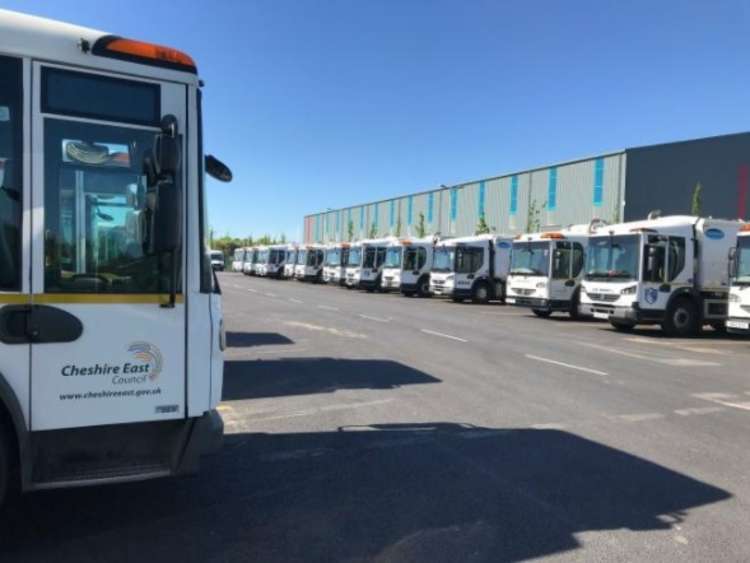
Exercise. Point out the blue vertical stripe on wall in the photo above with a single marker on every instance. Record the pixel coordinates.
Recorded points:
(454, 203)
(513, 195)
(481, 199)
(430, 205)
(598, 182)
(552, 189)
(392, 213)
(362, 217)
(409, 210)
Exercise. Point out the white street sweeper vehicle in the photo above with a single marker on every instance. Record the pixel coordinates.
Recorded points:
(407, 267)
(238, 259)
(546, 270)
(672, 271)
(473, 268)
(290, 261)
(251, 258)
(111, 333)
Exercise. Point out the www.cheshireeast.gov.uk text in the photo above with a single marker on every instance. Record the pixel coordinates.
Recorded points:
(111, 394)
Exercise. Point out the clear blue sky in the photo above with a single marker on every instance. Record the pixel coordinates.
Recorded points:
(320, 104)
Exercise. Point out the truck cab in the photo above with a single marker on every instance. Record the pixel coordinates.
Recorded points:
(290, 261)
(272, 264)
(251, 257)
(260, 265)
(473, 268)
(238, 259)
(217, 260)
(407, 266)
(739, 291)
(336, 257)
(309, 265)
(365, 265)
(672, 271)
(546, 270)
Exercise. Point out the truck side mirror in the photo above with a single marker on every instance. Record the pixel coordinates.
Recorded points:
(732, 265)
(217, 169)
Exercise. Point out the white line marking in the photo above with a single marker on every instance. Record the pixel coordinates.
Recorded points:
(327, 308)
(679, 362)
(310, 412)
(270, 294)
(252, 290)
(548, 426)
(639, 417)
(675, 345)
(293, 300)
(434, 333)
(699, 410)
(333, 331)
(563, 364)
(723, 399)
(378, 319)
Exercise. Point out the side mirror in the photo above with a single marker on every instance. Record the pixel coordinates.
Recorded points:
(732, 262)
(217, 169)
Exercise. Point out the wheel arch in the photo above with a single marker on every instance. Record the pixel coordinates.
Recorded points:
(11, 416)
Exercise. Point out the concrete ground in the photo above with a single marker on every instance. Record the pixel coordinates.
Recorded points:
(373, 427)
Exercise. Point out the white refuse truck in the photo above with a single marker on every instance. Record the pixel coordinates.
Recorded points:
(271, 261)
(290, 262)
(217, 260)
(111, 336)
(336, 258)
(473, 268)
(251, 257)
(672, 271)
(407, 267)
(261, 261)
(309, 267)
(238, 259)
(546, 270)
(365, 265)
(739, 291)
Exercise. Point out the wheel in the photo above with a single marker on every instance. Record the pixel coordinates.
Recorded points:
(457, 299)
(481, 293)
(622, 326)
(682, 319)
(6, 464)
(423, 287)
(541, 314)
(574, 314)
(407, 293)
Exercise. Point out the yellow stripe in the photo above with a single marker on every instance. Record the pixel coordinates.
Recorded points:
(105, 299)
(14, 298)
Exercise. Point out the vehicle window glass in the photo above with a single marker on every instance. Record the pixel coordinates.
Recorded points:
(676, 257)
(380, 257)
(207, 278)
(469, 260)
(561, 261)
(100, 97)
(95, 211)
(11, 191)
(422, 258)
(393, 257)
(578, 260)
(530, 259)
(654, 261)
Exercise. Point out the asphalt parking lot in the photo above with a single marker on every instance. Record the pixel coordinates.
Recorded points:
(372, 427)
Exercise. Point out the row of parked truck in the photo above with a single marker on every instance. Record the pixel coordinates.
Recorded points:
(679, 272)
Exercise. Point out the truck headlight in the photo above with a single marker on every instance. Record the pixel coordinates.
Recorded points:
(629, 290)
(734, 298)
(541, 285)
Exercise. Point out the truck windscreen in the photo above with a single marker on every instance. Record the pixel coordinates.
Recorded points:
(444, 259)
(393, 257)
(615, 257)
(355, 256)
(530, 259)
(743, 261)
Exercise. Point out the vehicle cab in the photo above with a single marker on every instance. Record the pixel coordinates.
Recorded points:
(365, 264)
(672, 271)
(217, 260)
(473, 268)
(739, 291)
(251, 257)
(290, 261)
(260, 266)
(238, 259)
(309, 265)
(546, 270)
(336, 258)
(273, 265)
(407, 266)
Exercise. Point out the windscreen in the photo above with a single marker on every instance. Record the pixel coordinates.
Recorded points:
(743, 260)
(277, 256)
(217, 255)
(614, 257)
(444, 259)
(393, 257)
(301, 257)
(355, 256)
(333, 257)
(263, 256)
(530, 259)
(239, 254)
(369, 261)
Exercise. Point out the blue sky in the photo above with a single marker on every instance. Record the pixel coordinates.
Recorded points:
(318, 104)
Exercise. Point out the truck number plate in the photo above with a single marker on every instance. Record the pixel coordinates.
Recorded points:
(602, 316)
(744, 325)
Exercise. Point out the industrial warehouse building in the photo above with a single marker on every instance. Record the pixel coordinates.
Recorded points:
(617, 186)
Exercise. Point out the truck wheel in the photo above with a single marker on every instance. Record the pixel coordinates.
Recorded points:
(457, 299)
(481, 293)
(541, 314)
(6, 464)
(574, 313)
(682, 319)
(423, 287)
(622, 326)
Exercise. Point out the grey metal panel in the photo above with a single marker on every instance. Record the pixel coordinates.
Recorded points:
(575, 192)
(419, 205)
(467, 215)
(538, 196)
(442, 213)
(496, 205)
(664, 177)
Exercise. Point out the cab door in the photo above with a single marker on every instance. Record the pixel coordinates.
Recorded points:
(108, 344)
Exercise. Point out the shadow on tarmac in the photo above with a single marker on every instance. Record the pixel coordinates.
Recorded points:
(249, 339)
(253, 379)
(437, 492)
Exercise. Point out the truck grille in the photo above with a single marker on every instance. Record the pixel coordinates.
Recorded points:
(522, 291)
(606, 297)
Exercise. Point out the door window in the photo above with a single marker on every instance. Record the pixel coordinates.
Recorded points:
(561, 261)
(96, 216)
(654, 260)
(11, 190)
(676, 257)
(578, 259)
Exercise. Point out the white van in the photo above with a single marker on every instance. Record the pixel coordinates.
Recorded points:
(473, 268)
(217, 260)
(251, 258)
(120, 377)
(407, 267)
(238, 259)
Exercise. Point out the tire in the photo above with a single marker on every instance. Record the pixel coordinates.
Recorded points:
(457, 299)
(622, 326)
(480, 294)
(541, 314)
(423, 287)
(6, 465)
(574, 313)
(682, 320)
(407, 293)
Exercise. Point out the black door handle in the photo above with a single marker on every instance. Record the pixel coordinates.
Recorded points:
(470, 277)
(38, 324)
(665, 288)
(570, 283)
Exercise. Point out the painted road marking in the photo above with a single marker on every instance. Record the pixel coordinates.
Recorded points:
(325, 408)
(548, 426)
(442, 335)
(675, 345)
(318, 328)
(699, 410)
(725, 399)
(639, 417)
(250, 289)
(563, 364)
(679, 362)
(378, 319)
(328, 308)
(270, 294)
(293, 300)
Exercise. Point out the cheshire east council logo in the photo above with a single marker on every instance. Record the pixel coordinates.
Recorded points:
(148, 354)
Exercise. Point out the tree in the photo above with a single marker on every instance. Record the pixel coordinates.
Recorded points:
(482, 227)
(421, 229)
(398, 227)
(533, 217)
(350, 230)
(696, 206)
(373, 231)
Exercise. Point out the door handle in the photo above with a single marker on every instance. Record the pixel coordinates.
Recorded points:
(38, 324)
(665, 288)
(470, 277)
(570, 283)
